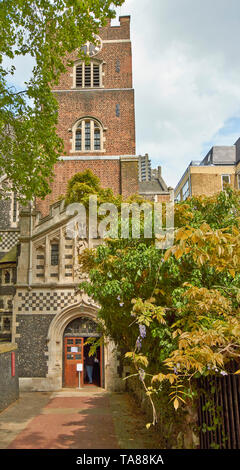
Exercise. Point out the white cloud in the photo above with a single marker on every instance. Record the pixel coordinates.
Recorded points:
(24, 66)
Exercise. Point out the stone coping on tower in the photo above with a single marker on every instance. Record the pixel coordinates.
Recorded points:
(100, 157)
(86, 90)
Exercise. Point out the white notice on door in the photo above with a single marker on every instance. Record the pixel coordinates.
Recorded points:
(74, 349)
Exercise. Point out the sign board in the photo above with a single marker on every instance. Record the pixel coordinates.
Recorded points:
(74, 349)
(79, 367)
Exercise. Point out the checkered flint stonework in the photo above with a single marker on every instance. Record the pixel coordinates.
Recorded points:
(45, 301)
(8, 240)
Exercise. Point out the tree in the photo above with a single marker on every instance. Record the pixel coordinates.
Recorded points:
(48, 31)
(174, 314)
(86, 183)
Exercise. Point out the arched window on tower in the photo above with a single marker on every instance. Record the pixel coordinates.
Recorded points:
(88, 75)
(88, 136)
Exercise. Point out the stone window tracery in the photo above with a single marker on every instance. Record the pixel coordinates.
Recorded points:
(54, 254)
(88, 136)
(82, 326)
(88, 75)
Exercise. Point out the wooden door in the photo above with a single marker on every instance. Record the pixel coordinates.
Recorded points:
(73, 355)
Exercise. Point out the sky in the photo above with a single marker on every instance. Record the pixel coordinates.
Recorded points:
(186, 76)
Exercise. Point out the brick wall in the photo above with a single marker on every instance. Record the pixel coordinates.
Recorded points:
(207, 180)
(107, 170)
(117, 67)
(100, 103)
(208, 184)
(119, 131)
(129, 176)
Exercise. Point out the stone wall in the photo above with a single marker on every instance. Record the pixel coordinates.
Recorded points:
(5, 207)
(32, 343)
(9, 386)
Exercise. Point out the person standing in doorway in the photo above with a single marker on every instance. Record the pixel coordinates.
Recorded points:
(89, 362)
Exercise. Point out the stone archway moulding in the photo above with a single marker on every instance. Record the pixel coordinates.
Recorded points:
(84, 308)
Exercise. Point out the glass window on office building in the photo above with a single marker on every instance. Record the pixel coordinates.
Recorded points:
(186, 190)
(238, 180)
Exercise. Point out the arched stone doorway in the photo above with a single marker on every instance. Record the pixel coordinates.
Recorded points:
(55, 341)
(77, 362)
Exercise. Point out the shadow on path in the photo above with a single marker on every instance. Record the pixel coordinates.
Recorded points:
(75, 421)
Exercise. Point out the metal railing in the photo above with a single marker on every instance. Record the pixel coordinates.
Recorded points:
(219, 411)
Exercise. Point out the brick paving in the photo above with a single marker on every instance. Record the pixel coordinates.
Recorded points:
(88, 419)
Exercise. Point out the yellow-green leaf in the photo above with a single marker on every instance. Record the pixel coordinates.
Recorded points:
(176, 403)
(160, 377)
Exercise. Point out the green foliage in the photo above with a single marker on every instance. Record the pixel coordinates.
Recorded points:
(84, 184)
(48, 31)
(219, 211)
(187, 298)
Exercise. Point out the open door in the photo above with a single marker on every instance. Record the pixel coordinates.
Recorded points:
(96, 362)
(73, 357)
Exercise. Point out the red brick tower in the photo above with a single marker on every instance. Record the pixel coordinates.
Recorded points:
(97, 116)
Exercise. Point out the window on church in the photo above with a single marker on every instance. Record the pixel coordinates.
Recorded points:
(88, 75)
(117, 65)
(78, 139)
(88, 136)
(97, 137)
(54, 254)
(96, 75)
(7, 277)
(6, 323)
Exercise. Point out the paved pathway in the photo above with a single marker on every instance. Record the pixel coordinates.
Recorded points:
(69, 419)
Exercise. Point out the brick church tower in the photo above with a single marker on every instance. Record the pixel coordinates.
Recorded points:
(97, 116)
